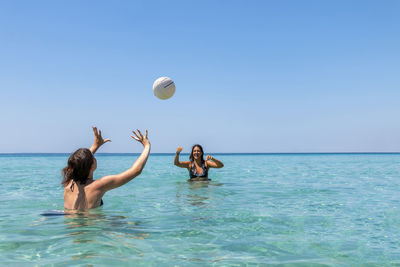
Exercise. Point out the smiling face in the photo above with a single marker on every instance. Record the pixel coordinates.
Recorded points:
(197, 153)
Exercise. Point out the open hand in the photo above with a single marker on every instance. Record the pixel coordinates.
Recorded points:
(98, 139)
(140, 138)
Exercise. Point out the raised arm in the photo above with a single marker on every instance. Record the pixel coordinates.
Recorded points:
(182, 164)
(213, 162)
(98, 140)
(113, 181)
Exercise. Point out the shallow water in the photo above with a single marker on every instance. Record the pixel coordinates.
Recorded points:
(290, 210)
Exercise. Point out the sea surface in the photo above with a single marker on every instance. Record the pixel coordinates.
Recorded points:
(259, 210)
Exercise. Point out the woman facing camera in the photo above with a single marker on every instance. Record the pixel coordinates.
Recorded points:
(197, 166)
(81, 191)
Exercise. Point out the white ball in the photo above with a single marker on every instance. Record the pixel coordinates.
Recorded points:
(164, 88)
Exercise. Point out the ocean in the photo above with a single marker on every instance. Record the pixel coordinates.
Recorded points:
(259, 210)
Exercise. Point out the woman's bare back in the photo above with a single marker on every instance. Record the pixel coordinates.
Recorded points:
(77, 196)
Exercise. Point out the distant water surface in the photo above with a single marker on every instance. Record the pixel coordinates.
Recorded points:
(260, 209)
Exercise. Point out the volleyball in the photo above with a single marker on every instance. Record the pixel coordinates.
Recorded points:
(164, 88)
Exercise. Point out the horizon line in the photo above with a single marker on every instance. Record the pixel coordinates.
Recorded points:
(187, 153)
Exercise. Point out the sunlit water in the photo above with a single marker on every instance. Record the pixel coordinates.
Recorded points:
(291, 210)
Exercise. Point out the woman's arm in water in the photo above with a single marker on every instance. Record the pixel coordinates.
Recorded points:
(213, 162)
(98, 140)
(113, 181)
(182, 164)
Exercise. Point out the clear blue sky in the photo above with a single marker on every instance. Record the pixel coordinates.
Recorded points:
(251, 76)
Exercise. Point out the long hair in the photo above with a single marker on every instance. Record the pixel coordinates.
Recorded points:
(202, 153)
(78, 168)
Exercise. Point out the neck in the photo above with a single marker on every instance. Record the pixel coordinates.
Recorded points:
(88, 180)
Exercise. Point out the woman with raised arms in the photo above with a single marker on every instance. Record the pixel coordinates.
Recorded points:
(81, 191)
(197, 166)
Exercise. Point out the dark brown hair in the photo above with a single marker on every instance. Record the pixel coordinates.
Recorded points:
(202, 153)
(78, 168)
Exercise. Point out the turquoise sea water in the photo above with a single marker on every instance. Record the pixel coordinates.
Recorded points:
(268, 210)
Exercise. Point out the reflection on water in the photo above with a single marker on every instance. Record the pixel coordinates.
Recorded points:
(84, 218)
(88, 226)
(86, 255)
(196, 193)
(93, 233)
(96, 230)
(191, 195)
(197, 198)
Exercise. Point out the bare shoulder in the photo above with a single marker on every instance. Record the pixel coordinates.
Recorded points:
(105, 183)
(97, 184)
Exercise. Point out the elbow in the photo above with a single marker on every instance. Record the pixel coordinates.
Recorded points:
(139, 172)
(136, 173)
(222, 165)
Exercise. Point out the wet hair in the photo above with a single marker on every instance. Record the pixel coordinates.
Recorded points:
(78, 167)
(202, 153)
